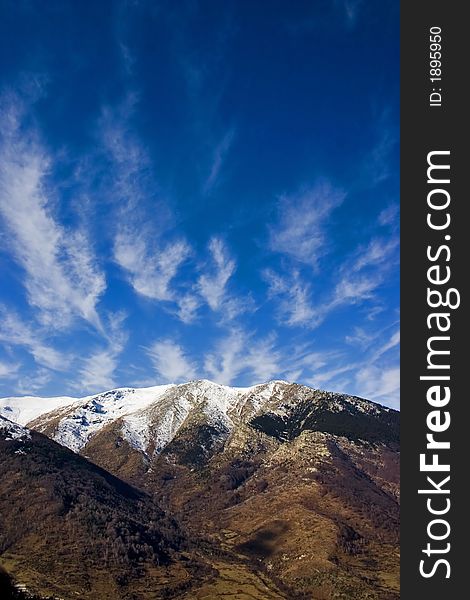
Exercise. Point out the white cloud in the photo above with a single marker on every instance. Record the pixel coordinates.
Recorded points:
(238, 354)
(392, 342)
(17, 333)
(359, 277)
(188, 305)
(264, 360)
(389, 215)
(212, 285)
(360, 338)
(128, 58)
(170, 362)
(150, 271)
(328, 378)
(61, 276)
(377, 253)
(363, 273)
(8, 369)
(227, 362)
(97, 371)
(371, 371)
(150, 265)
(374, 311)
(300, 231)
(365, 378)
(33, 383)
(378, 161)
(219, 156)
(375, 375)
(129, 179)
(352, 289)
(380, 384)
(295, 306)
(127, 156)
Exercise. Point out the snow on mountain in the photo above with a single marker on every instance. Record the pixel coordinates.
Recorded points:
(77, 422)
(150, 418)
(160, 422)
(13, 431)
(24, 409)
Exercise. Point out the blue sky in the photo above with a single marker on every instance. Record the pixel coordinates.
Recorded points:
(199, 189)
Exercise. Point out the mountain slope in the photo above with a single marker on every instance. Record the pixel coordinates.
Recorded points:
(89, 413)
(71, 529)
(24, 409)
(59, 509)
(149, 418)
(298, 485)
(302, 483)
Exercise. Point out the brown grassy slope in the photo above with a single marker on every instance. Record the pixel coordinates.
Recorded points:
(317, 515)
(71, 529)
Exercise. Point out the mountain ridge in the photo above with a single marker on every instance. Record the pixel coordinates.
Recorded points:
(158, 412)
(284, 491)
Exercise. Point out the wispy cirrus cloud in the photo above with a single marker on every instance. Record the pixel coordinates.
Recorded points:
(235, 354)
(150, 262)
(171, 362)
(32, 383)
(392, 342)
(14, 331)
(188, 303)
(389, 216)
(295, 306)
(239, 352)
(329, 377)
(97, 370)
(373, 375)
(128, 172)
(360, 337)
(61, 276)
(377, 253)
(8, 369)
(359, 276)
(150, 269)
(220, 153)
(212, 285)
(380, 384)
(128, 158)
(352, 289)
(300, 231)
(364, 272)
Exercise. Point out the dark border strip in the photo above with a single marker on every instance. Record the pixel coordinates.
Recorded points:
(435, 356)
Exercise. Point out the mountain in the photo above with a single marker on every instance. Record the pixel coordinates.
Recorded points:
(149, 418)
(299, 486)
(71, 529)
(53, 502)
(26, 408)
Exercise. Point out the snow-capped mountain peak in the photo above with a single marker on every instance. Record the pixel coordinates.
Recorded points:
(148, 419)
